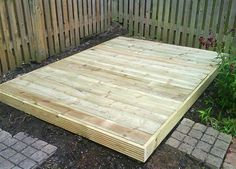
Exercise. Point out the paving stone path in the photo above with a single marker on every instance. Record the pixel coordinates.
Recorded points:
(200, 142)
(22, 151)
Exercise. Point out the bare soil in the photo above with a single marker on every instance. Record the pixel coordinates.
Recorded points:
(75, 151)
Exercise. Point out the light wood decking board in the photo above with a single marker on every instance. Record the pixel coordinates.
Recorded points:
(126, 94)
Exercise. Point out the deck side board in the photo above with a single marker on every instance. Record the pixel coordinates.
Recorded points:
(163, 131)
(97, 135)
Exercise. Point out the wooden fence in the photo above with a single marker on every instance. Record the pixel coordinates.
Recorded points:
(32, 30)
(179, 22)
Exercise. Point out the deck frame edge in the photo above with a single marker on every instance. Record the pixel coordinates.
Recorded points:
(165, 129)
(94, 134)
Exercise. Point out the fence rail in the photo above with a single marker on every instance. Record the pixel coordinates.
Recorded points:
(32, 30)
(179, 22)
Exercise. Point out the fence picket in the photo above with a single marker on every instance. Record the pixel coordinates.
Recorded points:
(131, 19)
(159, 19)
(192, 23)
(3, 58)
(71, 24)
(15, 32)
(6, 34)
(98, 16)
(154, 16)
(136, 19)
(199, 22)
(61, 25)
(147, 16)
(186, 17)
(76, 22)
(172, 22)
(24, 38)
(49, 27)
(166, 21)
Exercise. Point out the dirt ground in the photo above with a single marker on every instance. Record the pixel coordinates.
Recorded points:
(75, 151)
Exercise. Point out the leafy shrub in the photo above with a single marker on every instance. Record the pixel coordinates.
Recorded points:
(226, 125)
(225, 85)
(226, 81)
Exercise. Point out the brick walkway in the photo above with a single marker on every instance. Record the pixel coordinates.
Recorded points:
(200, 142)
(22, 151)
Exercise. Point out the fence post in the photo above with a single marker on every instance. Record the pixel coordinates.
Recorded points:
(38, 24)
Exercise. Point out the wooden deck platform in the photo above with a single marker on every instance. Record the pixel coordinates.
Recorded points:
(126, 94)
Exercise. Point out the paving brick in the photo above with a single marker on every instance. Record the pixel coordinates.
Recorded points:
(177, 135)
(16, 167)
(1, 159)
(7, 153)
(173, 142)
(4, 135)
(17, 158)
(20, 135)
(200, 127)
(27, 164)
(195, 134)
(2, 147)
(199, 154)
(49, 149)
(208, 139)
(186, 148)
(218, 152)
(228, 166)
(39, 144)
(187, 122)
(19, 146)
(17, 152)
(225, 137)
(28, 151)
(5, 164)
(204, 146)
(213, 161)
(191, 141)
(10, 141)
(29, 140)
(183, 129)
(212, 132)
(39, 156)
(221, 144)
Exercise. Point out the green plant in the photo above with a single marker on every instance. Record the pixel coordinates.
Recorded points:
(226, 80)
(205, 115)
(226, 125)
(229, 126)
(221, 113)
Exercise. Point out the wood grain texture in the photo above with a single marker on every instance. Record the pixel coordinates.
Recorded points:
(126, 94)
(36, 29)
(179, 22)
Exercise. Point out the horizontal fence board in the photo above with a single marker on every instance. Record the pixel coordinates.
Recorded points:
(36, 29)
